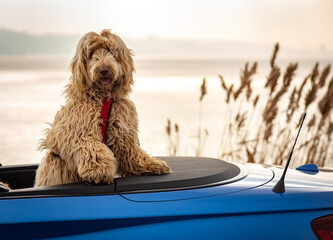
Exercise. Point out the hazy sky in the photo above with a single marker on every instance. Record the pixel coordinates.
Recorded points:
(295, 23)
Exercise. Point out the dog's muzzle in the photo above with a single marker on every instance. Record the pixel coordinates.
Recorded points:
(105, 75)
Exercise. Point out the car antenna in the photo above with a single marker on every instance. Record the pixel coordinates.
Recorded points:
(279, 186)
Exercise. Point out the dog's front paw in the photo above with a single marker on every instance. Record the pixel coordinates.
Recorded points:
(98, 174)
(99, 170)
(157, 167)
(98, 165)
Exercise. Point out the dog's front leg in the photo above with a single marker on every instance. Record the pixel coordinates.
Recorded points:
(132, 159)
(95, 162)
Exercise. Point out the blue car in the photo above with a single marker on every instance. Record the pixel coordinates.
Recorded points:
(203, 198)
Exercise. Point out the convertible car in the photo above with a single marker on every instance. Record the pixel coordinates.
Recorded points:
(203, 198)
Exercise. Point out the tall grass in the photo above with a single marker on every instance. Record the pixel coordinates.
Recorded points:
(254, 132)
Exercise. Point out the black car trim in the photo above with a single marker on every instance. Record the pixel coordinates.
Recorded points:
(187, 172)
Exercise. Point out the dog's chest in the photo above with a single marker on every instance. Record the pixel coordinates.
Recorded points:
(83, 119)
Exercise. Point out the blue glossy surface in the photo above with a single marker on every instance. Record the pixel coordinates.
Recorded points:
(235, 211)
(308, 167)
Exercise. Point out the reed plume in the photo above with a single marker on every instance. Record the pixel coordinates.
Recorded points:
(315, 73)
(168, 128)
(310, 96)
(173, 138)
(300, 91)
(275, 51)
(275, 72)
(292, 105)
(312, 93)
(245, 80)
(223, 84)
(255, 101)
(324, 75)
(203, 89)
(289, 75)
(240, 120)
(272, 79)
(230, 91)
(201, 137)
(326, 103)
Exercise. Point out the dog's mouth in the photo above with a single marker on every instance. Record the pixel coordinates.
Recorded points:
(105, 81)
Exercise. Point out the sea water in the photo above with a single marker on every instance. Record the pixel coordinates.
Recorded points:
(165, 88)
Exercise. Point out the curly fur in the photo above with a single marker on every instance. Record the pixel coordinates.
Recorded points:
(73, 143)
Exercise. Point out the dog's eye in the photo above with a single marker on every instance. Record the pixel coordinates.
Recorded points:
(94, 57)
(115, 55)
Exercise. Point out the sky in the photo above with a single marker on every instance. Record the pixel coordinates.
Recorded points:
(294, 23)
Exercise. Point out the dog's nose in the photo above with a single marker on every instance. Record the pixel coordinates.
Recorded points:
(104, 71)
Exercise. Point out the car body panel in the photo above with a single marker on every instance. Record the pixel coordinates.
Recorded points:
(238, 215)
(244, 209)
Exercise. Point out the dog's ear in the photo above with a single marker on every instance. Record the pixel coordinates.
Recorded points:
(124, 57)
(78, 66)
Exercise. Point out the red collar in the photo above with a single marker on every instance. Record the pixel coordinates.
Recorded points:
(105, 114)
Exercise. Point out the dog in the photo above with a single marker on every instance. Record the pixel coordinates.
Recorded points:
(82, 146)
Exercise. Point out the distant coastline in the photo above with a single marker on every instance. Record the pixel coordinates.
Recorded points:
(20, 43)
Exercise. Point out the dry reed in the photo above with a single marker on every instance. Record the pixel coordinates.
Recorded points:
(267, 140)
(203, 89)
(202, 135)
(173, 138)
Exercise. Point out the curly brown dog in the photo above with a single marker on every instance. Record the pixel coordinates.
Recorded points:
(102, 71)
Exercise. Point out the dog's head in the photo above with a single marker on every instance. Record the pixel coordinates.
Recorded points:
(101, 68)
